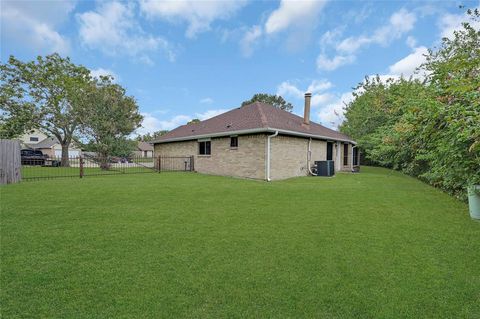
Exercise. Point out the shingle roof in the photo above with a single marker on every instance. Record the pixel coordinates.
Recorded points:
(46, 143)
(144, 146)
(255, 117)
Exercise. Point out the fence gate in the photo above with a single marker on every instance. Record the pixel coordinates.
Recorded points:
(174, 163)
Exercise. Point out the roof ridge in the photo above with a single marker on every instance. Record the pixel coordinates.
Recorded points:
(263, 117)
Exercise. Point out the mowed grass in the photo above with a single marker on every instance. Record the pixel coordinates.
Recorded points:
(39, 172)
(185, 245)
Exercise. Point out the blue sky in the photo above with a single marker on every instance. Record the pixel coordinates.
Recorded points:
(185, 59)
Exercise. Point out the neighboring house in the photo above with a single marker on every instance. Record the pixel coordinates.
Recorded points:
(50, 146)
(144, 149)
(259, 141)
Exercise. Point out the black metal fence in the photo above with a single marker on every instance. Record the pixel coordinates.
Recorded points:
(174, 163)
(41, 167)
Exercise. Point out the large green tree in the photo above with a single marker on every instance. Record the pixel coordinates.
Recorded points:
(17, 115)
(110, 118)
(275, 100)
(151, 136)
(428, 129)
(47, 94)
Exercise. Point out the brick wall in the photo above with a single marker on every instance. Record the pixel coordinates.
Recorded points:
(248, 160)
(289, 156)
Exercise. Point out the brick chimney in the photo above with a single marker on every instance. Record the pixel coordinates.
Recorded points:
(306, 111)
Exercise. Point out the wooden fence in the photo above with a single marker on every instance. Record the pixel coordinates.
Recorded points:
(10, 161)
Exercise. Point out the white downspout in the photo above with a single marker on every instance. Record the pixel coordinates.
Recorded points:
(309, 155)
(268, 156)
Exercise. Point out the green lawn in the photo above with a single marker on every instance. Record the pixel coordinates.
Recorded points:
(38, 172)
(375, 244)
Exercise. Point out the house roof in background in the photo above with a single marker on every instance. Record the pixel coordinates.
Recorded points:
(253, 118)
(144, 146)
(46, 143)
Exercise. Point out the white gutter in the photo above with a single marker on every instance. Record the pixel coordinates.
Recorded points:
(267, 160)
(309, 155)
(321, 137)
(251, 131)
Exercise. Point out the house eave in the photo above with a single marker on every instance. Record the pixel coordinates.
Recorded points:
(251, 131)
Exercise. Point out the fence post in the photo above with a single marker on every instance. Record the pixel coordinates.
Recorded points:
(159, 159)
(192, 168)
(81, 166)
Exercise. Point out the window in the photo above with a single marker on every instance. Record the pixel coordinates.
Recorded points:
(204, 148)
(329, 151)
(345, 154)
(33, 139)
(234, 141)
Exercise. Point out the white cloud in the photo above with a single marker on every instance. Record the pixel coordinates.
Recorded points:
(317, 88)
(352, 44)
(34, 24)
(448, 23)
(207, 100)
(250, 39)
(113, 29)
(400, 22)
(408, 64)
(330, 37)
(411, 41)
(96, 73)
(288, 89)
(332, 114)
(151, 123)
(210, 113)
(199, 15)
(299, 17)
(325, 63)
(293, 13)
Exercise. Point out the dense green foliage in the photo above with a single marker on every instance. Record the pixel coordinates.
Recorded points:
(65, 101)
(111, 117)
(46, 93)
(193, 121)
(428, 129)
(16, 113)
(275, 100)
(150, 136)
(376, 244)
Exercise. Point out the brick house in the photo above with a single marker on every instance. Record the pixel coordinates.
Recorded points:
(259, 141)
(144, 149)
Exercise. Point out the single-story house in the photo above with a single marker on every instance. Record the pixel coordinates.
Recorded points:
(144, 149)
(37, 140)
(259, 141)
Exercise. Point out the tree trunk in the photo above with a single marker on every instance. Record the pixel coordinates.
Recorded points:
(104, 162)
(65, 161)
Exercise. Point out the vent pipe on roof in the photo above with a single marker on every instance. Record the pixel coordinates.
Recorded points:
(306, 111)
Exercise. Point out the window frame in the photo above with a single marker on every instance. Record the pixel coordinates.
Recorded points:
(355, 156)
(345, 154)
(206, 149)
(34, 138)
(329, 148)
(234, 145)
